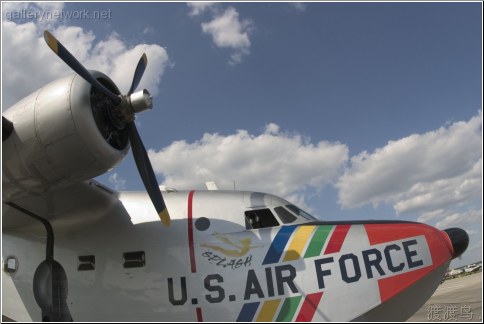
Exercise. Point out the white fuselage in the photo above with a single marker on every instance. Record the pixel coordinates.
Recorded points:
(192, 271)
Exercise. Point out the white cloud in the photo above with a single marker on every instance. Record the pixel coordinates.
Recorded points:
(49, 6)
(299, 6)
(471, 232)
(271, 128)
(427, 217)
(28, 63)
(117, 181)
(274, 162)
(148, 31)
(200, 7)
(459, 219)
(445, 218)
(419, 173)
(228, 31)
(442, 193)
(32, 7)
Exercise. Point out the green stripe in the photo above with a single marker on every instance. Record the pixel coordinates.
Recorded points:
(317, 242)
(288, 309)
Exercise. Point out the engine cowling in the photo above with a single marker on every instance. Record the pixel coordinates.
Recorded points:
(63, 134)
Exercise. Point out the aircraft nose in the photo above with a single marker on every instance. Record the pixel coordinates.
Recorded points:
(459, 240)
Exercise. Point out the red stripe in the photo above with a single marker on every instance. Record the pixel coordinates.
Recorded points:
(309, 307)
(392, 286)
(337, 239)
(384, 233)
(438, 242)
(190, 232)
(199, 314)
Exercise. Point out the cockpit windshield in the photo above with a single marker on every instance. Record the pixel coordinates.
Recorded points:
(285, 215)
(260, 218)
(300, 212)
(264, 217)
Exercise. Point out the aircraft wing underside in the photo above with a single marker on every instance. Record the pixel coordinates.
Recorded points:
(77, 205)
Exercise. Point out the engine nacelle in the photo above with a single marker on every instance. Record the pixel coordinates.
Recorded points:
(62, 135)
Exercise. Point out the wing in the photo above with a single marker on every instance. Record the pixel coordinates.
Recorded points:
(66, 209)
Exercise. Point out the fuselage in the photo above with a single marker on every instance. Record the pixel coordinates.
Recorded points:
(229, 256)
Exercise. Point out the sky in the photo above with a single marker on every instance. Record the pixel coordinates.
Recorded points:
(349, 110)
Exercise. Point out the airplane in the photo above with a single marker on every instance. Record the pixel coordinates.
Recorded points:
(472, 268)
(76, 250)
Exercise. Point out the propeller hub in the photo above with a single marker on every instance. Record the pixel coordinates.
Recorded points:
(133, 104)
(140, 101)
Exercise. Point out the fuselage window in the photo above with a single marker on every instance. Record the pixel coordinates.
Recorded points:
(86, 262)
(300, 212)
(285, 216)
(260, 218)
(134, 259)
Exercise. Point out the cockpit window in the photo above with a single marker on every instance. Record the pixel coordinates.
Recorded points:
(260, 218)
(285, 216)
(300, 212)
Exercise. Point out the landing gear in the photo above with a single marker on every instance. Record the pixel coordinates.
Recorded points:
(50, 279)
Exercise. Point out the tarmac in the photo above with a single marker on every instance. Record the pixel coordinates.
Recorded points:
(458, 299)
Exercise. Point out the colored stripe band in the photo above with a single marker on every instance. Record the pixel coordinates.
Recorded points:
(316, 245)
(268, 310)
(298, 243)
(288, 309)
(278, 244)
(337, 239)
(190, 232)
(199, 314)
(309, 307)
(248, 311)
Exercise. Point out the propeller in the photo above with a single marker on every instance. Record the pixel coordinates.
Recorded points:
(138, 73)
(124, 109)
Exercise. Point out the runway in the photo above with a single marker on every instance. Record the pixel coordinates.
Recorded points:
(457, 299)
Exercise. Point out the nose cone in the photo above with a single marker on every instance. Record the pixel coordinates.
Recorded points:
(459, 240)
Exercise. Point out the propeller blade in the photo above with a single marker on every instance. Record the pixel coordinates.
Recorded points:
(138, 73)
(146, 172)
(74, 64)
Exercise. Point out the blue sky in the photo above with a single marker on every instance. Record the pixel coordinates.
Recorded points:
(352, 110)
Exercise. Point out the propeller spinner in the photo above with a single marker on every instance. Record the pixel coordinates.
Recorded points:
(124, 109)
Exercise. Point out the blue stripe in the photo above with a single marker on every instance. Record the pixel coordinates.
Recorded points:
(277, 247)
(248, 311)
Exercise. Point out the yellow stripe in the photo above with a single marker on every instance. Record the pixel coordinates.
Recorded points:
(298, 243)
(268, 310)
(165, 217)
